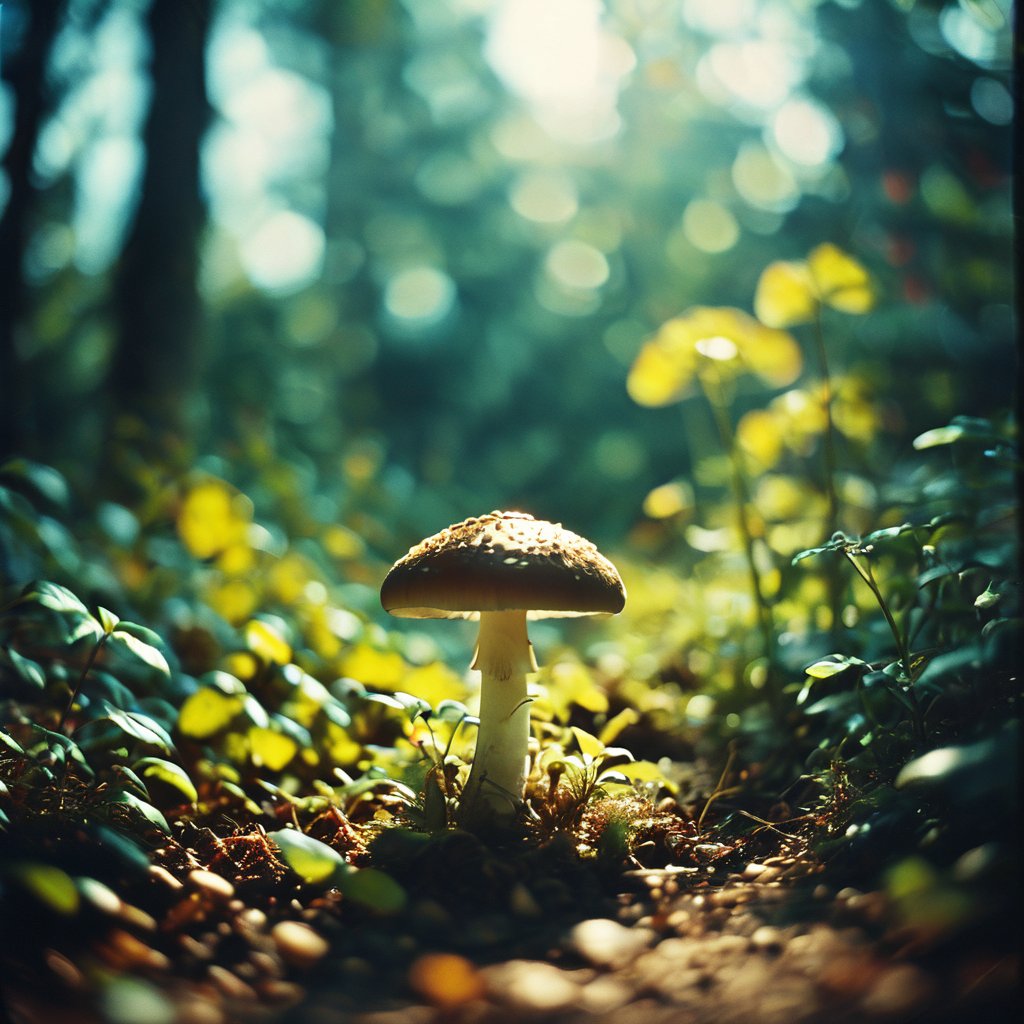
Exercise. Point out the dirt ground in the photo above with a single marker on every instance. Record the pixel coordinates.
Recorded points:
(771, 943)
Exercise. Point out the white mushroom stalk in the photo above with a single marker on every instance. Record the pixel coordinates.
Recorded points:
(501, 566)
(503, 657)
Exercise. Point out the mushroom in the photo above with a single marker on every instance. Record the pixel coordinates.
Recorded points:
(501, 567)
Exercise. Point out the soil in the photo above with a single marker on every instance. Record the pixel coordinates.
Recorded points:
(769, 941)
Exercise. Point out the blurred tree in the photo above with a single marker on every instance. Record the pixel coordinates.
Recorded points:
(156, 366)
(23, 67)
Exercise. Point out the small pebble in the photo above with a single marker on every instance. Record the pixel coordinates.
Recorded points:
(252, 918)
(604, 994)
(212, 885)
(299, 944)
(898, 991)
(265, 964)
(607, 943)
(229, 984)
(767, 938)
(281, 993)
(163, 875)
(194, 1009)
(64, 969)
(446, 979)
(130, 951)
(531, 985)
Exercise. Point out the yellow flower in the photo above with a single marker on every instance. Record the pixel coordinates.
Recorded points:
(790, 292)
(730, 339)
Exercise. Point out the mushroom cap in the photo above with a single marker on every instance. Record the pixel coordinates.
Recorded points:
(502, 561)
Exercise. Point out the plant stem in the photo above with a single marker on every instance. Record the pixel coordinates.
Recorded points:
(868, 577)
(902, 649)
(832, 521)
(829, 450)
(741, 496)
(90, 661)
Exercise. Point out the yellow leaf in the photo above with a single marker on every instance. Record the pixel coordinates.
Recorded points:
(288, 577)
(590, 746)
(659, 375)
(235, 600)
(212, 516)
(758, 434)
(267, 643)
(782, 497)
(645, 771)
(341, 542)
(772, 354)
(241, 664)
(206, 712)
(271, 749)
(785, 295)
(385, 669)
(340, 747)
(801, 418)
(668, 500)
(615, 725)
(840, 280)
(853, 412)
(435, 683)
(236, 559)
(568, 683)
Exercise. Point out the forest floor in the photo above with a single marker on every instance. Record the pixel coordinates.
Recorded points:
(769, 940)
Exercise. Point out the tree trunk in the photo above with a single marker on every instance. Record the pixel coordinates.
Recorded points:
(157, 363)
(25, 72)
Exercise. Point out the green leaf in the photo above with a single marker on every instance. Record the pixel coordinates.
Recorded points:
(811, 552)
(169, 773)
(50, 885)
(86, 628)
(143, 633)
(939, 436)
(412, 706)
(889, 532)
(140, 727)
(373, 889)
(124, 850)
(53, 596)
(105, 686)
(313, 861)
(133, 781)
(451, 711)
(27, 669)
(146, 809)
(10, 743)
(44, 480)
(223, 681)
(255, 712)
(64, 749)
(834, 702)
(832, 665)
(936, 572)
(140, 649)
(108, 620)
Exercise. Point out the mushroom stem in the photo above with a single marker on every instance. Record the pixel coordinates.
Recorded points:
(494, 790)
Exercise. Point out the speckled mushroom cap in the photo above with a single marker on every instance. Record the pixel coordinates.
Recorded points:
(502, 561)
